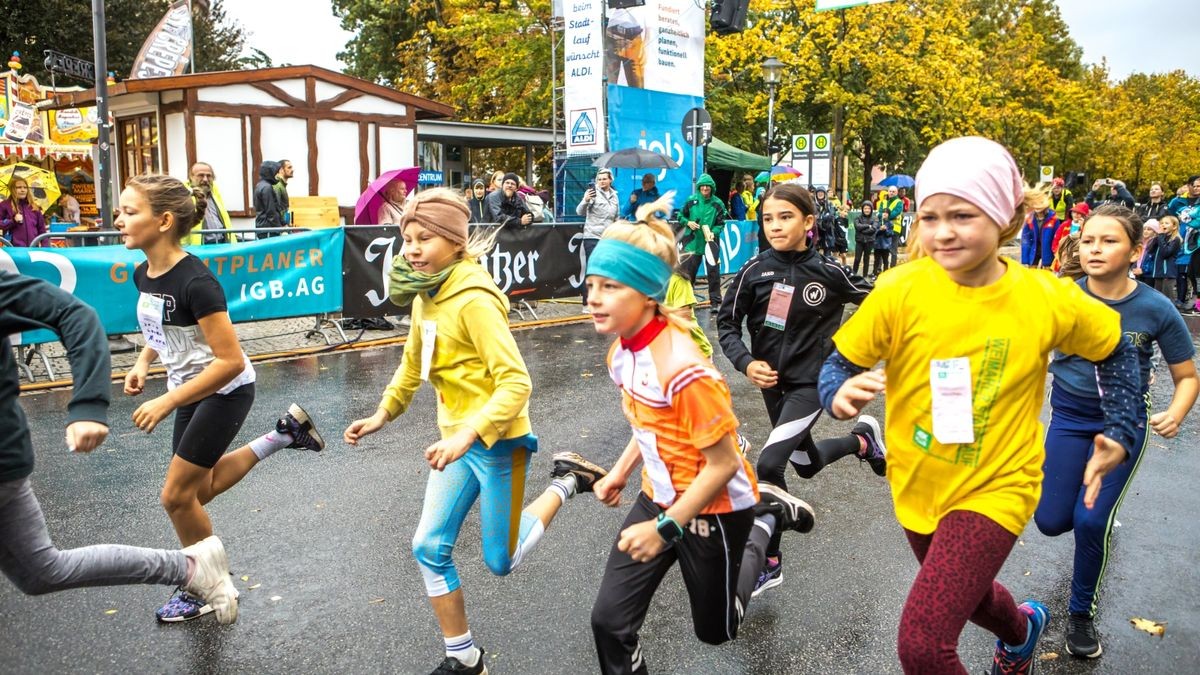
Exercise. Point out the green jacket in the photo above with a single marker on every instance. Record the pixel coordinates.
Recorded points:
(708, 211)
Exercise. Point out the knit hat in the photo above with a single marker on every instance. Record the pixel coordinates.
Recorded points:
(977, 170)
(1082, 209)
(511, 176)
(1153, 225)
(441, 212)
(1058, 182)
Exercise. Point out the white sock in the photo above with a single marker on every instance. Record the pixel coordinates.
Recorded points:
(462, 648)
(269, 443)
(565, 487)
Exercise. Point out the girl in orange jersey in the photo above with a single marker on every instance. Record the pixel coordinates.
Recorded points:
(699, 504)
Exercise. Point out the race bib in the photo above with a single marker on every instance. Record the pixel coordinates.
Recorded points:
(779, 306)
(428, 340)
(953, 410)
(149, 316)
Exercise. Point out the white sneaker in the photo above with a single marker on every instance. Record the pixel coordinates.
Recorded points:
(211, 580)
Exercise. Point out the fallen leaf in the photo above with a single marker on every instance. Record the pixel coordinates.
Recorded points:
(256, 510)
(1021, 542)
(250, 588)
(245, 577)
(1152, 627)
(1048, 656)
(375, 601)
(319, 505)
(276, 598)
(1027, 574)
(110, 611)
(579, 342)
(585, 374)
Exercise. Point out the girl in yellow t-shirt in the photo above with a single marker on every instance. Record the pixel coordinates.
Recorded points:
(965, 336)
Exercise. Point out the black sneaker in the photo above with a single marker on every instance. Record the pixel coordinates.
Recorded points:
(876, 454)
(586, 473)
(452, 666)
(793, 513)
(1082, 640)
(297, 424)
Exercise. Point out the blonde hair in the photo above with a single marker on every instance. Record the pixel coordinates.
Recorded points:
(1068, 258)
(1007, 233)
(655, 236)
(1173, 221)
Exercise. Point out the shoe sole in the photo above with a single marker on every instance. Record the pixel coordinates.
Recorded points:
(777, 581)
(304, 419)
(1099, 651)
(792, 501)
(577, 464)
(876, 430)
(204, 611)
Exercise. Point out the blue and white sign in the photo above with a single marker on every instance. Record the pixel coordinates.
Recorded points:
(430, 178)
(649, 119)
(583, 77)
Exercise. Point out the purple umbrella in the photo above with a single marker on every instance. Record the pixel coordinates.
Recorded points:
(366, 211)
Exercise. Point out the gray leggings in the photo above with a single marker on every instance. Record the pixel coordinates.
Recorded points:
(30, 560)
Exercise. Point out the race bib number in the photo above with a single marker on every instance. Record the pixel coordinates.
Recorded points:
(149, 316)
(428, 340)
(953, 410)
(779, 306)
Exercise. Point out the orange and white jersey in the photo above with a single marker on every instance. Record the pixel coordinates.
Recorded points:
(677, 403)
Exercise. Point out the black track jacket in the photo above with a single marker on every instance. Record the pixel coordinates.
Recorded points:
(821, 289)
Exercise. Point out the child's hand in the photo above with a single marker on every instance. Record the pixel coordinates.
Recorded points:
(449, 449)
(84, 436)
(762, 375)
(1164, 423)
(856, 392)
(608, 489)
(364, 427)
(1107, 455)
(641, 541)
(135, 380)
(150, 413)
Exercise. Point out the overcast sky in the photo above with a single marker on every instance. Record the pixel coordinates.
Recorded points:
(1145, 36)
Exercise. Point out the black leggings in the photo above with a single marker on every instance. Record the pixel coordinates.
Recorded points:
(719, 558)
(865, 256)
(881, 260)
(204, 429)
(691, 266)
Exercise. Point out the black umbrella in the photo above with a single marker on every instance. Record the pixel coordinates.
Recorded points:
(635, 158)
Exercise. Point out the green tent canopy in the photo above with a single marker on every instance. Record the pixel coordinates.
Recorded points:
(721, 155)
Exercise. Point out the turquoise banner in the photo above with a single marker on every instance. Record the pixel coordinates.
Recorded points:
(294, 275)
(739, 243)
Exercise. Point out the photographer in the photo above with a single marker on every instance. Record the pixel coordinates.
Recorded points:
(1108, 191)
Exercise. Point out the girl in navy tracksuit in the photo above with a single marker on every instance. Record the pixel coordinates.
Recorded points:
(1108, 245)
(1164, 249)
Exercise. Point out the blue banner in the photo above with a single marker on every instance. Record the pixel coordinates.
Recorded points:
(739, 243)
(295, 275)
(651, 120)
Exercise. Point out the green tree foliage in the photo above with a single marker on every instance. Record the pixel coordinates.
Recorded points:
(66, 26)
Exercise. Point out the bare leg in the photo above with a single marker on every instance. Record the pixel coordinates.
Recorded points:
(180, 500)
(229, 470)
(451, 612)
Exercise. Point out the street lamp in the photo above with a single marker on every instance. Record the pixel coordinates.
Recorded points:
(772, 72)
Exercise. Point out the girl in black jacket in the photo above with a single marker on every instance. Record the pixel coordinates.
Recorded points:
(864, 238)
(791, 299)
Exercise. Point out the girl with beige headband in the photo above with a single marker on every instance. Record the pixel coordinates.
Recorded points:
(966, 336)
(461, 344)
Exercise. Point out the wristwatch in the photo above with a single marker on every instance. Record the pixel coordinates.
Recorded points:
(670, 530)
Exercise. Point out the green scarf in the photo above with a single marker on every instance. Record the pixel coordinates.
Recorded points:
(404, 283)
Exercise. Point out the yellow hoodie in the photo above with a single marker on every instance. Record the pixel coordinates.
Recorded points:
(476, 368)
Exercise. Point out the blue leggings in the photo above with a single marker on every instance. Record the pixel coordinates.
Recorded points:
(496, 476)
(1074, 423)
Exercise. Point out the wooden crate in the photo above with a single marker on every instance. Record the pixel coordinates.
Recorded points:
(315, 212)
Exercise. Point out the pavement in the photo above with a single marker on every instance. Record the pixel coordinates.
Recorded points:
(320, 548)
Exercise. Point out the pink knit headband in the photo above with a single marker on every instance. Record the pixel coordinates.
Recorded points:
(444, 217)
(976, 169)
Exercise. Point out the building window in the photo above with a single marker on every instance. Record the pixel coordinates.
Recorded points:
(138, 141)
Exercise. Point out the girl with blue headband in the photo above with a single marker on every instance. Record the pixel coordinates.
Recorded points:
(699, 503)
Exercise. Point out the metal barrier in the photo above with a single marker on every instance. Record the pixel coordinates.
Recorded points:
(116, 233)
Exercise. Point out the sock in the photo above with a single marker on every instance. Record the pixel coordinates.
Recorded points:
(1028, 636)
(564, 487)
(269, 443)
(862, 444)
(462, 648)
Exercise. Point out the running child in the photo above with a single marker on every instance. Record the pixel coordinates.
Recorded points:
(27, 555)
(699, 504)
(210, 383)
(1108, 245)
(791, 299)
(966, 336)
(461, 344)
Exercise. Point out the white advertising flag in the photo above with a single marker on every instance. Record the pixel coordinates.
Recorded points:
(583, 92)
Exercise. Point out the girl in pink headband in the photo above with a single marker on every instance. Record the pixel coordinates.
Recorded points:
(966, 336)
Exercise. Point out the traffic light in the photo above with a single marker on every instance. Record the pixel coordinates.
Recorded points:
(729, 16)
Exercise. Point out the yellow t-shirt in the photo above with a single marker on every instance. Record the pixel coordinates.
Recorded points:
(917, 314)
(680, 295)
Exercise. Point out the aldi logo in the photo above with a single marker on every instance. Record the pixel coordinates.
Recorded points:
(583, 128)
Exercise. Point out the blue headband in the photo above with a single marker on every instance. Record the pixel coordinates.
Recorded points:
(625, 263)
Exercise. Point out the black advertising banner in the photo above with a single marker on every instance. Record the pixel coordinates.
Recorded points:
(527, 263)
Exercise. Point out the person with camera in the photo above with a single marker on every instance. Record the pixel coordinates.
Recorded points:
(600, 207)
(1108, 191)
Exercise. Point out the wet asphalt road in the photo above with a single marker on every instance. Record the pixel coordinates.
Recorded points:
(324, 540)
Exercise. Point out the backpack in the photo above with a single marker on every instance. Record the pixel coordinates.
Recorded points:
(536, 206)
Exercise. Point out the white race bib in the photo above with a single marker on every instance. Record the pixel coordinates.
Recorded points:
(779, 306)
(953, 410)
(428, 339)
(150, 316)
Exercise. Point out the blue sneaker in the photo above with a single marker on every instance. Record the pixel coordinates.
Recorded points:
(182, 606)
(770, 577)
(876, 454)
(1010, 662)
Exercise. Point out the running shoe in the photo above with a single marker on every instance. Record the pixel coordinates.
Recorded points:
(770, 577)
(211, 582)
(452, 666)
(1022, 662)
(182, 606)
(793, 513)
(1082, 639)
(297, 424)
(876, 454)
(586, 474)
